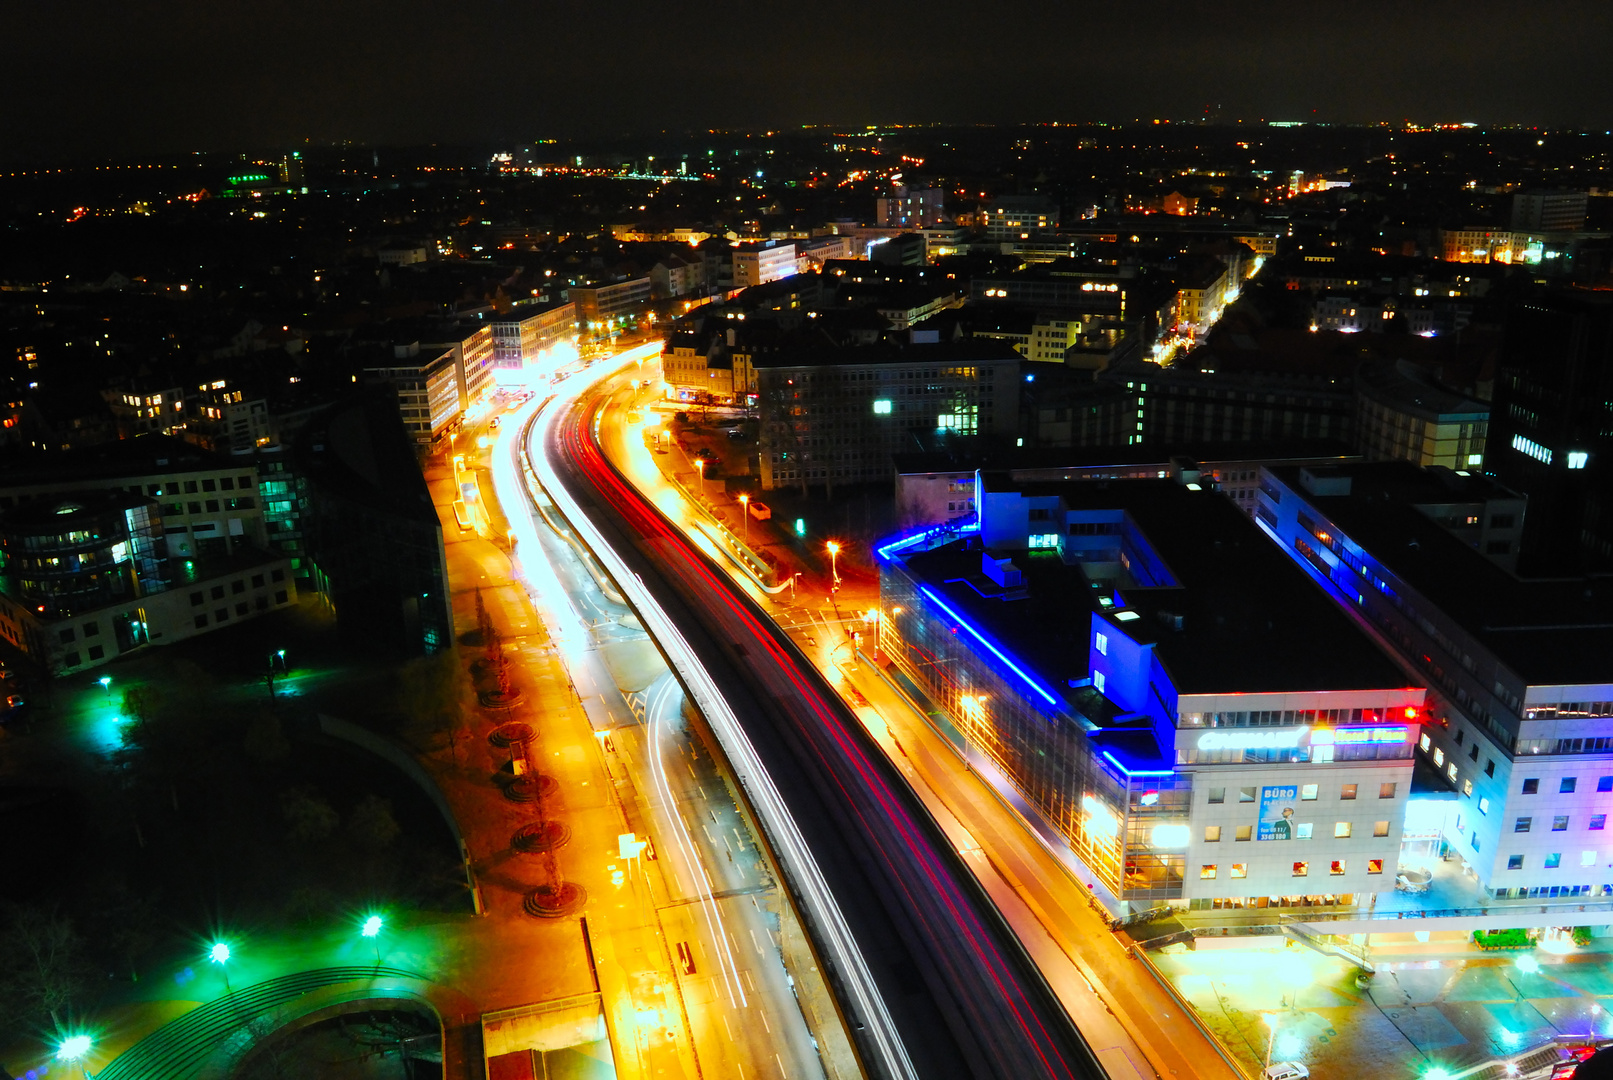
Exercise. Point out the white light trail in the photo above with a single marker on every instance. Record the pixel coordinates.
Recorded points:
(834, 935)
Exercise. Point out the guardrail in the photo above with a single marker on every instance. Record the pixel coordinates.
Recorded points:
(1187, 1009)
(182, 1046)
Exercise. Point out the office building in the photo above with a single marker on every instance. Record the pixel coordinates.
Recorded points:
(836, 415)
(426, 381)
(1403, 414)
(911, 208)
(608, 306)
(1166, 690)
(1019, 217)
(757, 264)
(1519, 722)
(1550, 211)
(522, 335)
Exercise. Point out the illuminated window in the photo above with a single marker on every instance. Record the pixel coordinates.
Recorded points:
(1207, 871)
(1577, 460)
(1587, 858)
(1568, 784)
(1559, 823)
(1337, 868)
(1244, 832)
(1467, 787)
(1423, 742)
(1514, 862)
(1374, 866)
(1098, 680)
(1218, 795)
(882, 407)
(1522, 824)
(1386, 791)
(1212, 834)
(1554, 860)
(1240, 870)
(1439, 756)
(1347, 792)
(1101, 643)
(1380, 828)
(1307, 792)
(1301, 869)
(1484, 806)
(1246, 794)
(1302, 831)
(1451, 772)
(1341, 830)
(1598, 822)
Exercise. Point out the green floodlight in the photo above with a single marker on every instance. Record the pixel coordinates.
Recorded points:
(105, 681)
(372, 926)
(219, 953)
(1437, 1073)
(73, 1048)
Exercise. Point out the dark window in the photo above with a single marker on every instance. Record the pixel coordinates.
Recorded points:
(195, 507)
(218, 592)
(1498, 547)
(257, 581)
(245, 482)
(1522, 824)
(221, 615)
(67, 635)
(70, 660)
(195, 599)
(1500, 521)
(1531, 786)
(96, 652)
(153, 489)
(1559, 823)
(277, 575)
(1598, 822)
(1473, 754)
(1514, 862)
(1489, 767)
(201, 622)
(190, 487)
(209, 485)
(173, 508)
(1460, 735)
(263, 603)
(237, 586)
(1604, 783)
(227, 484)
(91, 629)
(1567, 786)
(280, 596)
(240, 609)
(212, 506)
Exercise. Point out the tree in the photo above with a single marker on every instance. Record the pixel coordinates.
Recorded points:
(46, 970)
(431, 694)
(371, 825)
(309, 819)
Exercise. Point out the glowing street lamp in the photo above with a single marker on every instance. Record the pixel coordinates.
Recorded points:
(1271, 1022)
(106, 684)
(75, 1048)
(372, 930)
(220, 954)
(834, 562)
(744, 512)
(700, 467)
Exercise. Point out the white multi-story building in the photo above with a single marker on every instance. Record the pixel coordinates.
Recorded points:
(761, 263)
(1519, 722)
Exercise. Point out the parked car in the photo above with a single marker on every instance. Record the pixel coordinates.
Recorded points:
(1285, 1070)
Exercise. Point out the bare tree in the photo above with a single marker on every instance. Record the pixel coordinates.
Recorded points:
(47, 972)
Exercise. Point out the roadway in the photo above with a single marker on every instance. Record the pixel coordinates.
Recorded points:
(961, 996)
(733, 1010)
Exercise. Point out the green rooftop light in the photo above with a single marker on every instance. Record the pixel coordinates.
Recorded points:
(372, 926)
(219, 953)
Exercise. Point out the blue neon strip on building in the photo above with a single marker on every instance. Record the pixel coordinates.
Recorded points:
(993, 649)
(962, 525)
(1137, 772)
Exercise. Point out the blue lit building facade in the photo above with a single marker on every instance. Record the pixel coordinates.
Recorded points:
(1169, 693)
(1519, 720)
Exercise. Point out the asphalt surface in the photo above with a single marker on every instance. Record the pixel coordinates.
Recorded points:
(964, 996)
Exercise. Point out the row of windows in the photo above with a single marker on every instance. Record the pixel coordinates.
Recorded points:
(1303, 830)
(1307, 792)
(1552, 861)
(238, 586)
(223, 614)
(1336, 868)
(1559, 823)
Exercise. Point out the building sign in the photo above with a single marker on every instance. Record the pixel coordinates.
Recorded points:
(1247, 739)
(1357, 736)
(1277, 812)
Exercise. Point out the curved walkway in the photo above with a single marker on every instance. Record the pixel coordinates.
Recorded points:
(182, 1046)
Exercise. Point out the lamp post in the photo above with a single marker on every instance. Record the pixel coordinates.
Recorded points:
(75, 1048)
(372, 930)
(744, 512)
(700, 467)
(220, 955)
(834, 562)
(106, 684)
(1271, 1022)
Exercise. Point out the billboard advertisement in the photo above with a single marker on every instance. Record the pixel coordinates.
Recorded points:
(1277, 804)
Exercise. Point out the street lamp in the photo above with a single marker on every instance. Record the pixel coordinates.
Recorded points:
(744, 512)
(220, 955)
(1271, 1022)
(75, 1048)
(834, 562)
(106, 684)
(372, 930)
(700, 467)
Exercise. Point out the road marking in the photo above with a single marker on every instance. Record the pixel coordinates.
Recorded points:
(727, 1028)
(780, 1064)
(765, 1024)
(709, 838)
(753, 941)
(740, 839)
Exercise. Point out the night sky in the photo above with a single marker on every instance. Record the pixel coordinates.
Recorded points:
(111, 79)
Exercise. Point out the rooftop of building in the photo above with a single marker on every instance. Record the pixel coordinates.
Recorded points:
(143, 455)
(1548, 631)
(1011, 458)
(77, 511)
(1242, 618)
(1409, 388)
(361, 451)
(963, 351)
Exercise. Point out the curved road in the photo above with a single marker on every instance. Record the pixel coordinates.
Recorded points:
(965, 999)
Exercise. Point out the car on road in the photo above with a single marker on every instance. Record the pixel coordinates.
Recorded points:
(1285, 1070)
(11, 707)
